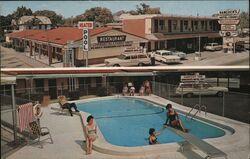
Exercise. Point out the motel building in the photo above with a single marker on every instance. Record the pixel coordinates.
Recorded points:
(65, 44)
(182, 33)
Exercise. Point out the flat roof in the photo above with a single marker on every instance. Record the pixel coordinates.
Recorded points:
(114, 71)
(147, 16)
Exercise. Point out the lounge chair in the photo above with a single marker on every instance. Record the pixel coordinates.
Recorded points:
(62, 100)
(207, 148)
(39, 131)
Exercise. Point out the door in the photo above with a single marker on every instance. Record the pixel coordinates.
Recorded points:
(181, 26)
(52, 89)
(134, 60)
(39, 85)
(156, 25)
(169, 26)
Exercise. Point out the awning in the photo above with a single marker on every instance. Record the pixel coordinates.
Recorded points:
(49, 76)
(7, 79)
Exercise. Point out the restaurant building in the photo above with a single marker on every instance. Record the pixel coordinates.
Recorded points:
(65, 44)
(173, 32)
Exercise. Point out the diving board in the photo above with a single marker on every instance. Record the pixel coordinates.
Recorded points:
(207, 148)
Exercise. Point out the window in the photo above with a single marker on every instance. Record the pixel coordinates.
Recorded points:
(122, 57)
(134, 57)
(161, 24)
(175, 24)
(202, 24)
(142, 56)
(162, 44)
(210, 24)
(185, 25)
(195, 25)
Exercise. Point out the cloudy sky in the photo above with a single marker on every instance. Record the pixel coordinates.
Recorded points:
(73, 8)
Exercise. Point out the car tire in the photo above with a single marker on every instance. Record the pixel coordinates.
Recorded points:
(189, 95)
(141, 64)
(219, 94)
(116, 65)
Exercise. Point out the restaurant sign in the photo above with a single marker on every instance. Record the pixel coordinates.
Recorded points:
(111, 44)
(104, 39)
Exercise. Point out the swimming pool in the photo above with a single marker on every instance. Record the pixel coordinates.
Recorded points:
(126, 121)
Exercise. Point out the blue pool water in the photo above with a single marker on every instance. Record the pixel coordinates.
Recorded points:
(126, 121)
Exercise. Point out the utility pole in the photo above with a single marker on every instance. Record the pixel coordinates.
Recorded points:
(200, 45)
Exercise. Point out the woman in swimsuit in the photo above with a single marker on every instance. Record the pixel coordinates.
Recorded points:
(91, 133)
(173, 119)
(152, 138)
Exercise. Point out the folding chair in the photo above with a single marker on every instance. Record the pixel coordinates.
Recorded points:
(39, 131)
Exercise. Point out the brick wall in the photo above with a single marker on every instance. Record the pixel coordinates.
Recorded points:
(134, 26)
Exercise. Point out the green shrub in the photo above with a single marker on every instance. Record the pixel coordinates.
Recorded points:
(19, 48)
(33, 97)
(7, 44)
(103, 91)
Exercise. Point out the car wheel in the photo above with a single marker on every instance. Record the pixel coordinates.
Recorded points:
(140, 64)
(189, 95)
(116, 65)
(220, 94)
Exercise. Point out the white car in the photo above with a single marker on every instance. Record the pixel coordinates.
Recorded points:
(212, 47)
(182, 55)
(128, 59)
(166, 56)
(190, 89)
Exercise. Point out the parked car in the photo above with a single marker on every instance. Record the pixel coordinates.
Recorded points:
(246, 45)
(212, 47)
(239, 46)
(182, 55)
(128, 59)
(166, 56)
(190, 89)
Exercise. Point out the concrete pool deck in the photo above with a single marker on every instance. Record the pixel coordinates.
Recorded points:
(68, 136)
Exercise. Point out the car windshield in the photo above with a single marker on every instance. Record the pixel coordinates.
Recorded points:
(209, 44)
(121, 57)
(166, 53)
(206, 85)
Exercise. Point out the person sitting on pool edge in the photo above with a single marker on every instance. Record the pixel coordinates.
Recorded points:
(173, 119)
(91, 133)
(152, 139)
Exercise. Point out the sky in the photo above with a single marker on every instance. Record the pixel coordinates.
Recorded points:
(73, 8)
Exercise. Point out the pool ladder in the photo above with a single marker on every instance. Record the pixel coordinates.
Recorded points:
(198, 108)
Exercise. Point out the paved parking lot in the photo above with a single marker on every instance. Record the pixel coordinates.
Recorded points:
(11, 58)
(214, 58)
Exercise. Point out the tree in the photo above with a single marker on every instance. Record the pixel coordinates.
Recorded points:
(244, 20)
(54, 18)
(146, 9)
(21, 11)
(98, 15)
